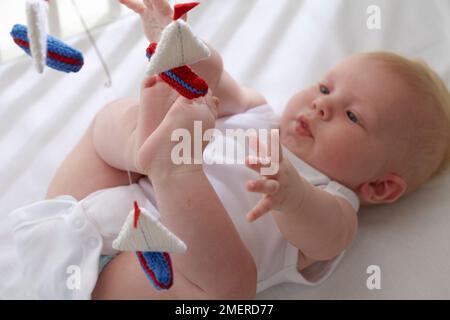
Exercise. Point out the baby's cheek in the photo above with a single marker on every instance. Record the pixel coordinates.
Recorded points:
(339, 156)
(300, 100)
(343, 157)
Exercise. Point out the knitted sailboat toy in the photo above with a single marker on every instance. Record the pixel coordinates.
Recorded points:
(144, 234)
(43, 48)
(178, 48)
(58, 55)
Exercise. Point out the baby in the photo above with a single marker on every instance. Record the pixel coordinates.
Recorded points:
(373, 130)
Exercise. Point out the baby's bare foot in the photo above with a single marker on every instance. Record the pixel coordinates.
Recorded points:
(156, 99)
(155, 156)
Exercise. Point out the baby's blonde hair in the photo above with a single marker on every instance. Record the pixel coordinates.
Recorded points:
(430, 154)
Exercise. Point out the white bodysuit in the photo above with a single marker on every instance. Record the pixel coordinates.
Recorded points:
(60, 239)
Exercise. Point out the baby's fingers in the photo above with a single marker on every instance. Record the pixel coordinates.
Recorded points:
(135, 5)
(162, 6)
(257, 163)
(156, 92)
(263, 206)
(149, 82)
(148, 4)
(267, 186)
(213, 104)
(210, 101)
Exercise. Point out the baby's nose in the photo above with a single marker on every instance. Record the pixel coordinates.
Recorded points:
(323, 109)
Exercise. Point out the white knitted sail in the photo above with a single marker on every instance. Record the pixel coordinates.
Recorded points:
(177, 47)
(150, 235)
(37, 17)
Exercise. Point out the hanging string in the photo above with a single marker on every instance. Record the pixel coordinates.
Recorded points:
(129, 177)
(108, 83)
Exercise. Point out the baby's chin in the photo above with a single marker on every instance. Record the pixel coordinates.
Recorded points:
(304, 151)
(300, 151)
(299, 146)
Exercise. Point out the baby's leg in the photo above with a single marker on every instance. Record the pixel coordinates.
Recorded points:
(216, 264)
(123, 278)
(108, 148)
(84, 171)
(121, 129)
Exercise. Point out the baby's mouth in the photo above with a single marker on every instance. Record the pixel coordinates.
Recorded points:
(302, 127)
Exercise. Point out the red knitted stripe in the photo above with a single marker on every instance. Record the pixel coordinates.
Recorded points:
(182, 8)
(50, 54)
(188, 76)
(21, 43)
(58, 57)
(151, 48)
(150, 272)
(179, 88)
(137, 213)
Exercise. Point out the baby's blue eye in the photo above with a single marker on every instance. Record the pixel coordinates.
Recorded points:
(352, 117)
(323, 89)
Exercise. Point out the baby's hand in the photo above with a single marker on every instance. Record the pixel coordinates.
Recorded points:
(155, 15)
(282, 191)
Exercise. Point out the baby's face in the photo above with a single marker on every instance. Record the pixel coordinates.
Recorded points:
(353, 115)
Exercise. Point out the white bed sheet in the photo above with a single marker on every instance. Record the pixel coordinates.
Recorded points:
(262, 42)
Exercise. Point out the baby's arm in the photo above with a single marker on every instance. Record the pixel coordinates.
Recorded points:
(319, 224)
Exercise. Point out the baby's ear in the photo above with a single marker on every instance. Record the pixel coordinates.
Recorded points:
(386, 189)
